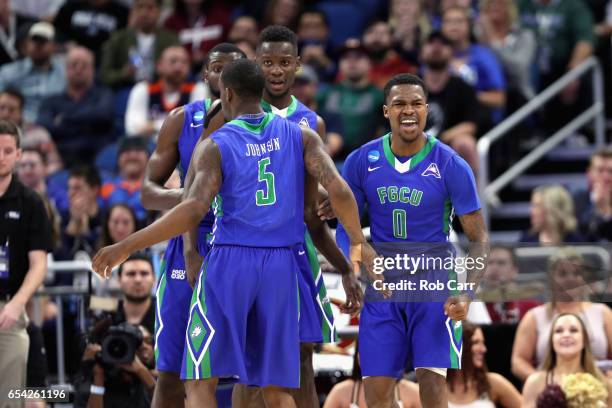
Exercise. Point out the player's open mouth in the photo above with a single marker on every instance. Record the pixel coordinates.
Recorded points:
(408, 124)
(276, 84)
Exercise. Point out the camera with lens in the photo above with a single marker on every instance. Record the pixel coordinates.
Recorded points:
(120, 343)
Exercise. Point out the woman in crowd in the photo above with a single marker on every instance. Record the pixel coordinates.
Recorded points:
(474, 386)
(552, 217)
(568, 352)
(350, 393)
(568, 289)
(120, 222)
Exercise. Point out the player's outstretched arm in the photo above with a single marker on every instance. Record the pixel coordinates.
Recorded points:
(321, 167)
(193, 259)
(180, 219)
(325, 243)
(162, 163)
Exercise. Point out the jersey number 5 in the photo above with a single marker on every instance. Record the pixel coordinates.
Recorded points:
(265, 196)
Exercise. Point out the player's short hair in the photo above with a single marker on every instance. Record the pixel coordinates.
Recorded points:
(9, 128)
(224, 48)
(278, 34)
(404, 79)
(14, 92)
(137, 256)
(245, 78)
(88, 173)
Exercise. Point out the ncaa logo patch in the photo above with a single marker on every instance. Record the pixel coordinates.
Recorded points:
(432, 170)
(198, 116)
(373, 156)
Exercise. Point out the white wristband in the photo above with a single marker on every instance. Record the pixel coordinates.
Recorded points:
(96, 390)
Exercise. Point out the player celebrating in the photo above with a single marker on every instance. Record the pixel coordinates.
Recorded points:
(256, 165)
(177, 139)
(430, 180)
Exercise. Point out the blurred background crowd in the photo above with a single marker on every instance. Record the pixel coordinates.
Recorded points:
(90, 83)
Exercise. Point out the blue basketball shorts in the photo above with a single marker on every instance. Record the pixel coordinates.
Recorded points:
(316, 316)
(393, 335)
(243, 318)
(173, 298)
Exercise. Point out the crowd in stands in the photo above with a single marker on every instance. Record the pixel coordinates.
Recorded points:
(90, 82)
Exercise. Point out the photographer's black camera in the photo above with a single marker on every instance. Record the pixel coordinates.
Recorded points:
(119, 343)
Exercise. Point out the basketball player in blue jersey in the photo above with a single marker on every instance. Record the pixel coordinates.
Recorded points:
(277, 57)
(411, 184)
(175, 144)
(244, 309)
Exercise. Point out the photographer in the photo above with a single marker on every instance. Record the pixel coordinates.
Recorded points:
(117, 368)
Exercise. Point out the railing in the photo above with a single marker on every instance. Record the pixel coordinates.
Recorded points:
(489, 189)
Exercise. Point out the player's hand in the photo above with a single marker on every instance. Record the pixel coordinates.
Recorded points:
(107, 258)
(10, 314)
(354, 294)
(456, 307)
(364, 254)
(193, 263)
(325, 210)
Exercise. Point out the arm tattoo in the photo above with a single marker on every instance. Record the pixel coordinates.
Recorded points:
(317, 161)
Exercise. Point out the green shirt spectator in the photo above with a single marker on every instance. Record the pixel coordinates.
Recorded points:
(564, 29)
(355, 100)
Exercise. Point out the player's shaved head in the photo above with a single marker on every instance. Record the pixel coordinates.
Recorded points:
(224, 48)
(278, 34)
(404, 79)
(245, 78)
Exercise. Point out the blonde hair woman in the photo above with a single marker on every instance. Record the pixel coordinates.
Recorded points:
(566, 276)
(552, 217)
(568, 353)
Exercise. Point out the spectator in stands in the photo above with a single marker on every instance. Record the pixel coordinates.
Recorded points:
(565, 36)
(38, 75)
(132, 161)
(150, 103)
(350, 393)
(244, 28)
(10, 25)
(82, 222)
(569, 351)
(80, 118)
(315, 48)
(33, 136)
(129, 55)
(201, 24)
(37, 10)
(552, 217)
(120, 222)
(305, 89)
(453, 123)
(515, 47)
(386, 62)
(25, 239)
(506, 300)
(90, 22)
(410, 27)
(594, 204)
(356, 100)
(32, 173)
(476, 64)
(566, 276)
(473, 385)
(282, 12)
(126, 385)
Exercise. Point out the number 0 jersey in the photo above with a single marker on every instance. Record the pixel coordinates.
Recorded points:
(410, 200)
(261, 200)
